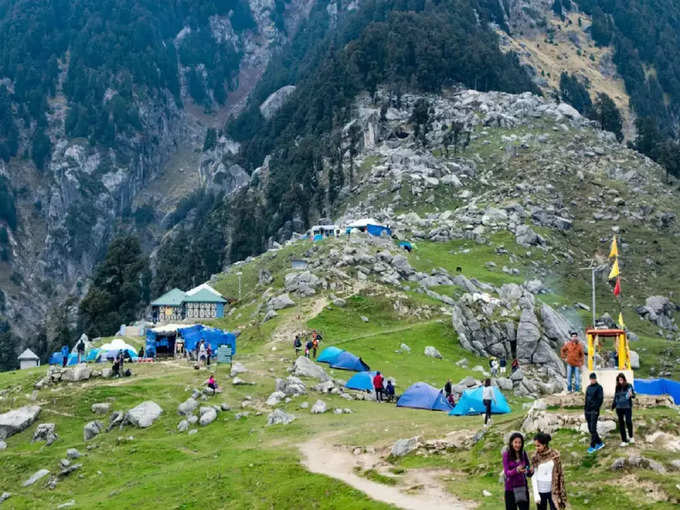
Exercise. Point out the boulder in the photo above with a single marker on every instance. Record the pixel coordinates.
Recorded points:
(183, 426)
(225, 407)
(269, 315)
(494, 216)
(307, 368)
(275, 101)
(144, 414)
(525, 236)
(280, 302)
(207, 415)
(664, 441)
(402, 266)
(528, 334)
(101, 408)
(304, 283)
(17, 420)
(187, 407)
(279, 417)
(555, 326)
(3, 445)
(275, 398)
(319, 407)
(237, 381)
(92, 429)
(291, 386)
(45, 432)
(503, 383)
(604, 427)
(432, 352)
(404, 446)
(78, 373)
(634, 360)
(115, 420)
(639, 462)
(517, 375)
(35, 477)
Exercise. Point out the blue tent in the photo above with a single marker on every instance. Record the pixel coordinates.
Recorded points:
(378, 230)
(213, 336)
(658, 387)
(56, 358)
(72, 359)
(93, 354)
(348, 361)
(423, 396)
(329, 354)
(361, 381)
(471, 403)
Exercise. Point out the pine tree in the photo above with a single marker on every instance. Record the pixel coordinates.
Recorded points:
(8, 354)
(608, 115)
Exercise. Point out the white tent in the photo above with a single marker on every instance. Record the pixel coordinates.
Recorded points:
(361, 223)
(200, 288)
(117, 344)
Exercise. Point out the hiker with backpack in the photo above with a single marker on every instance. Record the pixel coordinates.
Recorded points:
(80, 348)
(308, 348)
(297, 343)
(548, 475)
(316, 338)
(623, 403)
(516, 469)
(488, 396)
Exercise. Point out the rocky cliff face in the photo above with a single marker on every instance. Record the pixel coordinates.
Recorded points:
(69, 211)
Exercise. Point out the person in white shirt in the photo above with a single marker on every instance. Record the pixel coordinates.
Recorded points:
(548, 479)
(488, 396)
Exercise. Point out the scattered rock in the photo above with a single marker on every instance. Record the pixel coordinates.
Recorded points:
(208, 415)
(604, 427)
(275, 398)
(92, 429)
(187, 407)
(237, 368)
(3, 445)
(68, 504)
(70, 469)
(664, 441)
(307, 368)
(183, 426)
(363, 318)
(319, 407)
(639, 462)
(280, 302)
(225, 407)
(72, 453)
(432, 352)
(269, 315)
(237, 381)
(101, 408)
(35, 477)
(78, 373)
(279, 417)
(404, 348)
(17, 420)
(5, 496)
(144, 414)
(404, 446)
(45, 432)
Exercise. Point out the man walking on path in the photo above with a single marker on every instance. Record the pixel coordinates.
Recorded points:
(378, 386)
(594, 399)
(572, 353)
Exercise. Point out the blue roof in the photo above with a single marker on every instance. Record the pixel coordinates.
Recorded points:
(471, 403)
(329, 354)
(423, 396)
(348, 361)
(361, 381)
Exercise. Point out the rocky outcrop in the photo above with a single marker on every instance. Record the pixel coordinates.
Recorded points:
(144, 414)
(660, 311)
(275, 101)
(45, 432)
(279, 417)
(307, 368)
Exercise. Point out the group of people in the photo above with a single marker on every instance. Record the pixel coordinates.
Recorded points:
(117, 368)
(203, 353)
(384, 389)
(311, 344)
(544, 468)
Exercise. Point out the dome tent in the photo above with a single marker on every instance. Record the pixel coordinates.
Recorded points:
(471, 403)
(361, 381)
(329, 354)
(348, 361)
(423, 396)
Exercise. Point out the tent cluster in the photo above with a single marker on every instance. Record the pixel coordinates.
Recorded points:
(344, 360)
(100, 354)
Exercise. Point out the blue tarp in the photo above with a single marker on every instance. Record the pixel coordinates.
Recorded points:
(423, 396)
(405, 244)
(72, 359)
(348, 361)
(361, 381)
(213, 336)
(471, 403)
(329, 354)
(658, 387)
(378, 230)
(56, 358)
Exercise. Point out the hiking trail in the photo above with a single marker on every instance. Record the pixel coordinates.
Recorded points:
(339, 463)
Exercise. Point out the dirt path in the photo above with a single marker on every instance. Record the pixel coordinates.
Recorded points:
(320, 457)
(295, 323)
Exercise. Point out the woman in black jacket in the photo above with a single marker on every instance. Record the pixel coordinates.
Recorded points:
(623, 403)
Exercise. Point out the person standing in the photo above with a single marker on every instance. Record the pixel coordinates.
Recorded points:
(488, 396)
(308, 348)
(297, 343)
(516, 468)
(202, 354)
(494, 367)
(64, 355)
(378, 386)
(208, 353)
(503, 365)
(448, 389)
(80, 348)
(623, 403)
(572, 353)
(594, 398)
(548, 475)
